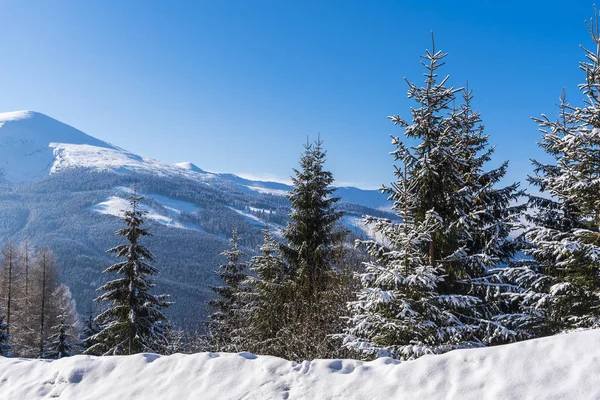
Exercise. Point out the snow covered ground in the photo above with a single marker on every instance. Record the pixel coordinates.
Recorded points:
(559, 367)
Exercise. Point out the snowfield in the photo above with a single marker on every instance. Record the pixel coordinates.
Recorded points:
(558, 367)
(167, 216)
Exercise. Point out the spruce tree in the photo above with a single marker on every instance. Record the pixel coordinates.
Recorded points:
(59, 345)
(265, 300)
(89, 330)
(312, 313)
(310, 233)
(225, 325)
(561, 281)
(134, 321)
(428, 289)
(4, 338)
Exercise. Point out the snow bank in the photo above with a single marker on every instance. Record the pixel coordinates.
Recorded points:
(559, 367)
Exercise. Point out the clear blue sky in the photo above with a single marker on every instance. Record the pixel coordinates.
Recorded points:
(236, 86)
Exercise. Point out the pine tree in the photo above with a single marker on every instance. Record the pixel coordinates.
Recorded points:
(561, 281)
(4, 338)
(134, 321)
(225, 325)
(59, 345)
(265, 300)
(309, 234)
(312, 313)
(89, 330)
(428, 289)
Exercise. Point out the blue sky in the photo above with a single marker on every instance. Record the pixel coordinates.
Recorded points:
(236, 86)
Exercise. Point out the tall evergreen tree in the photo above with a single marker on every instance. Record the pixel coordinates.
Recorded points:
(225, 323)
(427, 290)
(134, 321)
(312, 311)
(561, 281)
(309, 235)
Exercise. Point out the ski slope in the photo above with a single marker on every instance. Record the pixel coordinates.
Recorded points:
(558, 367)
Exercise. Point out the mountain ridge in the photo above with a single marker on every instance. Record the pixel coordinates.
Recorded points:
(33, 145)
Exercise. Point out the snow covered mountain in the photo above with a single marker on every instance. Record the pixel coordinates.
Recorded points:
(64, 189)
(33, 145)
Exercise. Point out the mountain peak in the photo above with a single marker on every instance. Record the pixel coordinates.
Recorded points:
(28, 140)
(17, 115)
(189, 166)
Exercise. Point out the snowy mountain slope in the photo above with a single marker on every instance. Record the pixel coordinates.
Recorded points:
(558, 367)
(65, 190)
(163, 210)
(33, 145)
(25, 144)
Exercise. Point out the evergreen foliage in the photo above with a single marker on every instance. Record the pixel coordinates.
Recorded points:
(309, 234)
(265, 300)
(225, 321)
(427, 289)
(4, 338)
(561, 281)
(88, 331)
(134, 321)
(312, 307)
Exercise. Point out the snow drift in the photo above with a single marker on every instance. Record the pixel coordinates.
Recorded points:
(558, 367)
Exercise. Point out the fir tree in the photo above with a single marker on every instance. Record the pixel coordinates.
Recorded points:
(265, 300)
(4, 338)
(89, 330)
(428, 290)
(309, 234)
(134, 321)
(311, 308)
(562, 280)
(59, 345)
(225, 325)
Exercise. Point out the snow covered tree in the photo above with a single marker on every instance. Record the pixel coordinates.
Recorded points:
(88, 331)
(309, 234)
(265, 300)
(134, 321)
(225, 325)
(562, 280)
(4, 345)
(427, 289)
(61, 343)
(312, 307)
